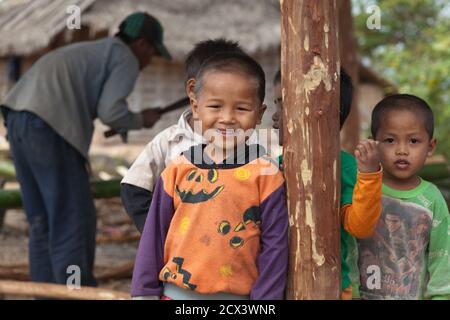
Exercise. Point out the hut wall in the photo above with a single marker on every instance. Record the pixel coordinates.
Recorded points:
(368, 96)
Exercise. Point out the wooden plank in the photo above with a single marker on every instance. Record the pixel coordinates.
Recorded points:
(57, 291)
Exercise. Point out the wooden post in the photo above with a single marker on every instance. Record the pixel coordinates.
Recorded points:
(310, 81)
(349, 60)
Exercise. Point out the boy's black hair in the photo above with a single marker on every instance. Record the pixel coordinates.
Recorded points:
(402, 102)
(234, 62)
(277, 77)
(345, 97)
(397, 211)
(346, 94)
(204, 50)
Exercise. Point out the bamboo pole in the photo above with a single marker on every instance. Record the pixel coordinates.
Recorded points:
(17, 273)
(310, 87)
(58, 291)
(100, 189)
(118, 238)
(7, 170)
(435, 171)
(120, 272)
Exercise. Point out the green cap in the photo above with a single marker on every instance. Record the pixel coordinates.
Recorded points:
(142, 25)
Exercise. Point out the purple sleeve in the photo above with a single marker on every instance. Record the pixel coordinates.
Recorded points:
(273, 259)
(150, 255)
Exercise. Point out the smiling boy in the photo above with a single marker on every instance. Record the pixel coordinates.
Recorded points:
(217, 227)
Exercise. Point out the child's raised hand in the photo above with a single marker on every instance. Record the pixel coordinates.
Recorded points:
(367, 156)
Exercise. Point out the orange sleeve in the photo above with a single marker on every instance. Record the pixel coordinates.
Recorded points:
(361, 216)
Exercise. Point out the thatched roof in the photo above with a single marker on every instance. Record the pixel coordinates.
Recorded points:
(30, 25)
(255, 24)
(27, 26)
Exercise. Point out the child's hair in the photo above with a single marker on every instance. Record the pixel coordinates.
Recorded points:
(277, 78)
(395, 210)
(234, 62)
(204, 50)
(346, 94)
(402, 102)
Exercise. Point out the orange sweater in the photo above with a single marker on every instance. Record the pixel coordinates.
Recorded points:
(361, 216)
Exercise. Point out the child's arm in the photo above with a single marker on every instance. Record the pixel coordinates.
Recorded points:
(361, 216)
(150, 255)
(139, 181)
(438, 264)
(272, 261)
(136, 201)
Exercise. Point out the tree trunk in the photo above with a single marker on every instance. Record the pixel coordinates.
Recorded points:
(350, 62)
(310, 81)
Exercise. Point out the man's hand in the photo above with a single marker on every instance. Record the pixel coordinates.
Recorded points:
(150, 117)
(367, 156)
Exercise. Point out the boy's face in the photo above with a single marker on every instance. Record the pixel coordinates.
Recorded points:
(393, 222)
(143, 51)
(277, 117)
(404, 147)
(227, 105)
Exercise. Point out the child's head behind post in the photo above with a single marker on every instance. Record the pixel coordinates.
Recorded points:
(345, 103)
(229, 94)
(404, 125)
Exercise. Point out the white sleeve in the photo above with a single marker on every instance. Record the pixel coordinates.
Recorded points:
(149, 165)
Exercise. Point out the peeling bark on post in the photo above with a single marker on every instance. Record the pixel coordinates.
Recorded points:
(310, 80)
(349, 61)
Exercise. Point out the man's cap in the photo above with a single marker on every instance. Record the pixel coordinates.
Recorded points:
(142, 25)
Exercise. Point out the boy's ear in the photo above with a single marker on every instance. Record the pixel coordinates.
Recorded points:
(194, 107)
(262, 109)
(190, 85)
(431, 147)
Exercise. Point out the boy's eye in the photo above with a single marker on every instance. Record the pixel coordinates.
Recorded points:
(388, 140)
(414, 141)
(243, 109)
(214, 106)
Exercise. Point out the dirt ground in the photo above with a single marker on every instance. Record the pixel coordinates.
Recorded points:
(117, 241)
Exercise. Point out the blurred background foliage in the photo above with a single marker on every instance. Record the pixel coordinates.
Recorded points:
(411, 50)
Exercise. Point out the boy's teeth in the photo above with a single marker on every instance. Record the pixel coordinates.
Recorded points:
(226, 131)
